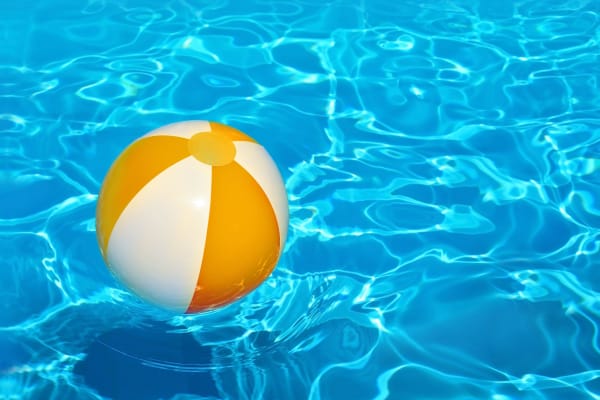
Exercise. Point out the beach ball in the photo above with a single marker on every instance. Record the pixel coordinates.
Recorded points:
(192, 216)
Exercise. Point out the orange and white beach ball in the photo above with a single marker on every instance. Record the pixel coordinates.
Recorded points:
(192, 216)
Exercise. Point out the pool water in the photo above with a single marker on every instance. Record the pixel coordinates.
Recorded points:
(442, 161)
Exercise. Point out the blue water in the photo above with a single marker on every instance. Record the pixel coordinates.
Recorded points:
(442, 160)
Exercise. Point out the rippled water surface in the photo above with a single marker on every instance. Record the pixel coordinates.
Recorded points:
(442, 160)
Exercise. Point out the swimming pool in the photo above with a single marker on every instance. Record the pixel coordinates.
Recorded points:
(442, 165)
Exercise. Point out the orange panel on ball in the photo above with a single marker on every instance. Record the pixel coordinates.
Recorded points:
(242, 243)
(134, 168)
(230, 132)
